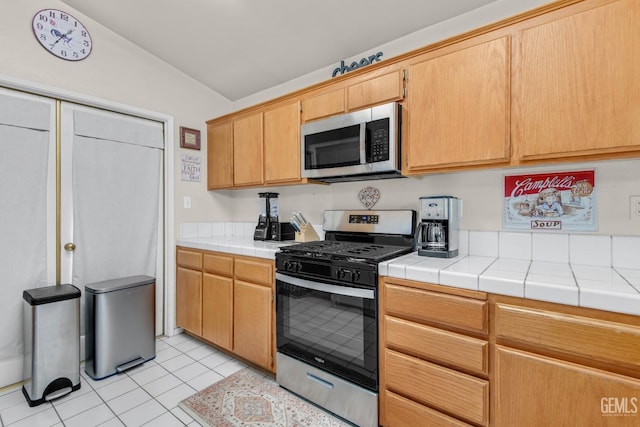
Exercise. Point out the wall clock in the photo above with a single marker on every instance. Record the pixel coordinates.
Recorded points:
(61, 34)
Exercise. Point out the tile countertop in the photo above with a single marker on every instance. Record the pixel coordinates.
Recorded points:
(604, 288)
(572, 270)
(238, 245)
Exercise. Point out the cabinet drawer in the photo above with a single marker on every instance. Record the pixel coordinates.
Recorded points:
(254, 271)
(605, 341)
(189, 259)
(450, 391)
(460, 312)
(437, 345)
(402, 412)
(218, 264)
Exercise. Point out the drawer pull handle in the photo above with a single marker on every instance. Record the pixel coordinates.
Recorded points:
(319, 380)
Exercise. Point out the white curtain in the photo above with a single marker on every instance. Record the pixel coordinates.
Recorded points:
(24, 153)
(116, 183)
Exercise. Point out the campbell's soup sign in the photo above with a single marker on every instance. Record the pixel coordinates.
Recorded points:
(551, 201)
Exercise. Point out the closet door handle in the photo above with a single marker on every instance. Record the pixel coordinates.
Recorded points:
(70, 247)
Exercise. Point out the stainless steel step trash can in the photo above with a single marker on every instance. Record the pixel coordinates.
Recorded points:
(52, 342)
(120, 325)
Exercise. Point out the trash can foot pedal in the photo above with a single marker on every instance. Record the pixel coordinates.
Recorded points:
(128, 365)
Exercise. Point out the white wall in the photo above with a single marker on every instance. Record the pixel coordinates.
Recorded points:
(116, 71)
(119, 71)
(481, 191)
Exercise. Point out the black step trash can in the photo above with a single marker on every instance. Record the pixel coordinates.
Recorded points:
(120, 333)
(52, 342)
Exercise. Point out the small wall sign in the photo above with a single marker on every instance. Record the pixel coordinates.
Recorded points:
(551, 201)
(344, 68)
(190, 168)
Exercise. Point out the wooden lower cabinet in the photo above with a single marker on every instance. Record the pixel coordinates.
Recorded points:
(189, 299)
(534, 390)
(252, 316)
(227, 300)
(443, 389)
(217, 310)
(403, 412)
(434, 357)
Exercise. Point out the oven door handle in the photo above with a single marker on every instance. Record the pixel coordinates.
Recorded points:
(326, 287)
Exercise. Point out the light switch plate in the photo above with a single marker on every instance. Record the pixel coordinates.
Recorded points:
(187, 202)
(634, 207)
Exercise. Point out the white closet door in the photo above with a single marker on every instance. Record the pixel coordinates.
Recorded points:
(111, 199)
(27, 216)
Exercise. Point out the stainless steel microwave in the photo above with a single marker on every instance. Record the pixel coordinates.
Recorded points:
(357, 146)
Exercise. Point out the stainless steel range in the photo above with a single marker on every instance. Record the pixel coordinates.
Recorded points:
(326, 310)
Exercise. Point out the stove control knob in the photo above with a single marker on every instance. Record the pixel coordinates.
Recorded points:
(347, 275)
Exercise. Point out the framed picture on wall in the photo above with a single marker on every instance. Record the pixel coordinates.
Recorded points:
(189, 138)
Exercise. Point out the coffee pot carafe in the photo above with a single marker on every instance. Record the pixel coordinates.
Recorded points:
(269, 212)
(437, 230)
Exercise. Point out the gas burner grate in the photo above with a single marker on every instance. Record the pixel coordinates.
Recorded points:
(339, 249)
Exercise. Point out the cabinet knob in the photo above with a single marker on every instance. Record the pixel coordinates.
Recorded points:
(70, 247)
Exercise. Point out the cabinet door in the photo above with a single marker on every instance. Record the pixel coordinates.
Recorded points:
(282, 144)
(189, 300)
(458, 107)
(532, 390)
(220, 156)
(217, 309)
(247, 150)
(252, 308)
(378, 90)
(578, 87)
(324, 105)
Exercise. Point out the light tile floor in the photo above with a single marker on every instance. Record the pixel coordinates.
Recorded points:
(145, 395)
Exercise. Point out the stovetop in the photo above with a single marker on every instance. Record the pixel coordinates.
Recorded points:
(348, 251)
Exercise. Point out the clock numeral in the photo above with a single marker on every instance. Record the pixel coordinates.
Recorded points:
(75, 54)
(83, 33)
(64, 16)
(63, 53)
(43, 17)
(39, 26)
(52, 14)
(43, 37)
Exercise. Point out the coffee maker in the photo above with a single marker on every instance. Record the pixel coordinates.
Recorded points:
(437, 230)
(269, 212)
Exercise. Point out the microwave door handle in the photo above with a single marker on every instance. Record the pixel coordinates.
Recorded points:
(326, 287)
(363, 143)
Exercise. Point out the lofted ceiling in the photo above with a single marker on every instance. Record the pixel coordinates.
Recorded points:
(241, 47)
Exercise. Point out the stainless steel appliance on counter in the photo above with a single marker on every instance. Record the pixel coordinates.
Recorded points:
(437, 230)
(361, 145)
(326, 310)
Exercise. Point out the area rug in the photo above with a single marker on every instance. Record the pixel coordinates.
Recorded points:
(248, 399)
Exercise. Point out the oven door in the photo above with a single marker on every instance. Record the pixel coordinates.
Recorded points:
(330, 326)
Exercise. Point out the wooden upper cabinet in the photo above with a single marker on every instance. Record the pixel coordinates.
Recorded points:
(323, 105)
(458, 108)
(577, 84)
(247, 151)
(378, 90)
(219, 156)
(282, 144)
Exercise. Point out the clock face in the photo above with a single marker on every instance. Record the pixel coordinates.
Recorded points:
(61, 34)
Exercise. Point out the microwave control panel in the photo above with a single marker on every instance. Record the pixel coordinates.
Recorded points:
(378, 141)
